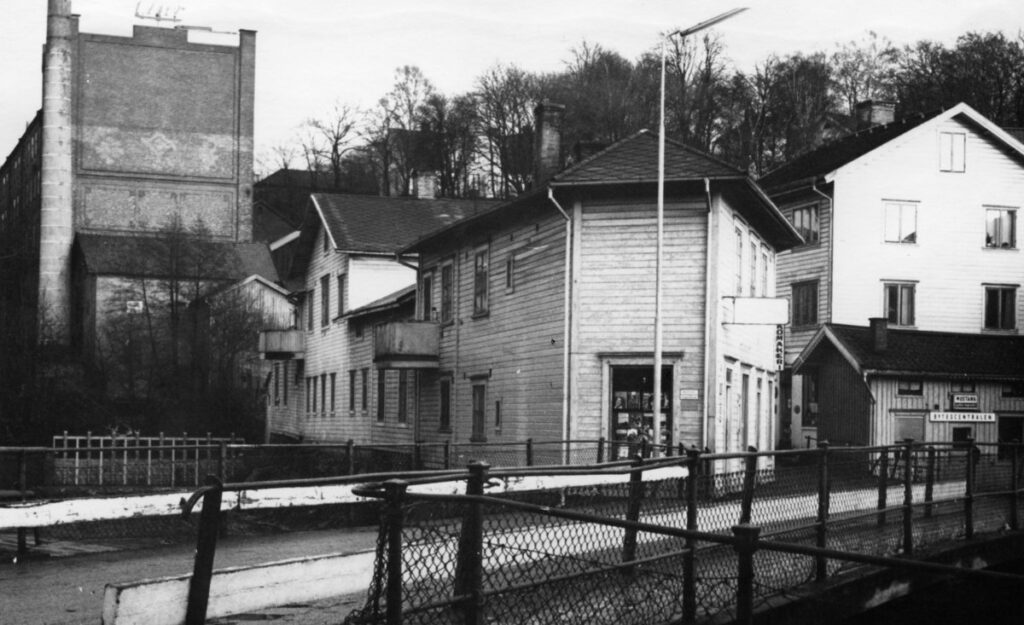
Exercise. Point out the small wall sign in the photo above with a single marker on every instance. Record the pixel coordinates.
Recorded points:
(963, 417)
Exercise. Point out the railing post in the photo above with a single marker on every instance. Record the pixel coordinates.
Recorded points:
(883, 485)
(1014, 487)
(600, 450)
(222, 461)
(448, 454)
(395, 518)
(749, 480)
(689, 557)
(417, 456)
(636, 493)
(529, 452)
(206, 547)
(908, 498)
(350, 450)
(469, 563)
(824, 495)
(929, 484)
(969, 491)
(745, 546)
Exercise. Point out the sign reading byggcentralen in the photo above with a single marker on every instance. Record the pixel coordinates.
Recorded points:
(964, 417)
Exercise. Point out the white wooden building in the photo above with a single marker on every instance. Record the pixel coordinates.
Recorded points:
(914, 221)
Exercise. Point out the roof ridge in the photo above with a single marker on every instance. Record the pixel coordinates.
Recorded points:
(576, 166)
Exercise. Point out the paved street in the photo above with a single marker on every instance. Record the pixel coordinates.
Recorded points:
(67, 587)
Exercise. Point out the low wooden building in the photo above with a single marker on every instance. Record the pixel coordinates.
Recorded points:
(878, 385)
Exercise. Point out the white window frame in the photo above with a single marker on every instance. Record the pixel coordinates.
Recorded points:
(953, 151)
(901, 207)
(998, 235)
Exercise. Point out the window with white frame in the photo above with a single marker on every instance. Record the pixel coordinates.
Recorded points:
(1000, 227)
(427, 296)
(739, 262)
(481, 275)
(899, 303)
(901, 222)
(952, 151)
(447, 292)
(764, 274)
(1000, 307)
(804, 303)
(753, 266)
(805, 221)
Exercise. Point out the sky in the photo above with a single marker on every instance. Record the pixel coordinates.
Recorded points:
(313, 53)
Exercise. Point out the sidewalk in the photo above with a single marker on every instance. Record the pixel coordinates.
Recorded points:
(52, 588)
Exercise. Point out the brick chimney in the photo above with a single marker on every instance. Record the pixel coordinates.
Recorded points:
(547, 141)
(424, 185)
(879, 334)
(871, 113)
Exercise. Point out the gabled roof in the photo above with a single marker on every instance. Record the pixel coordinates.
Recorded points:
(817, 164)
(143, 256)
(635, 159)
(632, 164)
(374, 224)
(920, 353)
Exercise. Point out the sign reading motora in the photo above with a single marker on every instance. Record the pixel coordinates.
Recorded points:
(964, 417)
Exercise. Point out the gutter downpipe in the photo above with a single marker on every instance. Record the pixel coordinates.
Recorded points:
(567, 331)
(707, 317)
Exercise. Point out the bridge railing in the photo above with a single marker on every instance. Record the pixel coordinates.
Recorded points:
(656, 540)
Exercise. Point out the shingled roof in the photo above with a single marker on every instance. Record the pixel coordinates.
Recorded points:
(145, 256)
(920, 353)
(635, 159)
(373, 224)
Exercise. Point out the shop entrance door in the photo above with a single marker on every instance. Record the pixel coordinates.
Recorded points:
(633, 409)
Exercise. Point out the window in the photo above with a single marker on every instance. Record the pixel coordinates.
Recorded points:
(323, 392)
(309, 309)
(447, 291)
(909, 387)
(341, 294)
(284, 382)
(810, 398)
(334, 379)
(497, 415)
(1013, 389)
(314, 394)
(325, 300)
(899, 304)
(753, 267)
(479, 399)
(510, 273)
(309, 394)
(403, 395)
(381, 390)
(739, 262)
(366, 383)
(805, 221)
(277, 384)
(1001, 227)
(352, 390)
(427, 297)
(900, 222)
(962, 387)
(805, 303)
(445, 403)
(480, 275)
(1000, 308)
(764, 274)
(952, 151)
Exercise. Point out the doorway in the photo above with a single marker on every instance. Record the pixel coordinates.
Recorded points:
(633, 409)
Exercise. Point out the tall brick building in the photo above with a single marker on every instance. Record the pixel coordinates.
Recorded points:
(134, 133)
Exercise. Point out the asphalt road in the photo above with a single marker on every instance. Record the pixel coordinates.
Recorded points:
(66, 588)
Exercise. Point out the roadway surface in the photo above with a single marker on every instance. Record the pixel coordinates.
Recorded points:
(63, 583)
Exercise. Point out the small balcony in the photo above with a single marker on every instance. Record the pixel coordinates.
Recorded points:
(407, 345)
(283, 344)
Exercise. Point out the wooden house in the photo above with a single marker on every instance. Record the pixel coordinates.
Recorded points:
(345, 270)
(913, 220)
(543, 307)
(879, 385)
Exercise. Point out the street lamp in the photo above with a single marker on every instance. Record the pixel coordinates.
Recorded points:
(656, 396)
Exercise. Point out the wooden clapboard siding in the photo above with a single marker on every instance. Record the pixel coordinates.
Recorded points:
(517, 348)
(949, 261)
(934, 393)
(844, 404)
(803, 264)
(614, 292)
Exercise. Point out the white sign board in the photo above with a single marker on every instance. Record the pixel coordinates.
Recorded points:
(964, 417)
(757, 310)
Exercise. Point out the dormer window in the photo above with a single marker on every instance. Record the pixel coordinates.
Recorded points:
(952, 151)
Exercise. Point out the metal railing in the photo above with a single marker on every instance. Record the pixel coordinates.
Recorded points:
(705, 535)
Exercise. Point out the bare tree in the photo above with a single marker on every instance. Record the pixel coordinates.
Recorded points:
(329, 139)
(505, 99)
